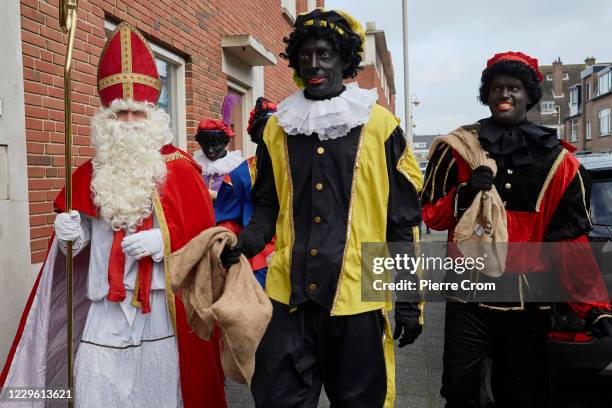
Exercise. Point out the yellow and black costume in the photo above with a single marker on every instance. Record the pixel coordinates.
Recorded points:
(324, 188)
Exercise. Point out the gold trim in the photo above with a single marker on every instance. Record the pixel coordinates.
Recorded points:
(450, 166)
(129, 77)
(416, 239)
(389, 355)
(432, 175)
(549, 177)
(349, 219)
(325, 23)
(512, 308)
(126, 60)
(172, 156)
(406, 154)
(121, 28)
(456, 200)
(135, 301)
(291, 220)
(603, 316)
(586, 210)
(163, 227)
(252, 165)
(501, 309)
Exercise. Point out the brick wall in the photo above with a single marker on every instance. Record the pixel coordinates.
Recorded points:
(368, 78)
(192, 29)
(591, 113)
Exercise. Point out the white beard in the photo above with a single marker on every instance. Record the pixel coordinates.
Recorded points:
(128, 167)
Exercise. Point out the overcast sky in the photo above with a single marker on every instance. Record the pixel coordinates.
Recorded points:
(450, 42)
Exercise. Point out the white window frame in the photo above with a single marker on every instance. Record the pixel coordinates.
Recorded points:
(312, 4)
(587, 133)
(573, 137)
(587, 91)
(604, 83)
(177, 93)
(247, 100)
(547, 107)
(604, 122)
(288, 8)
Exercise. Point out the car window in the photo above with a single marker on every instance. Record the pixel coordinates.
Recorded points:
(601, 201)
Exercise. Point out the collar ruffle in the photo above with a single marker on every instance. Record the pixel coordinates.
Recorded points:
(512, 144)
(220, 166)
(328, 118)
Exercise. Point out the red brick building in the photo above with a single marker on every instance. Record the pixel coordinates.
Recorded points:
(588, 125)
(205, 50)
(554, 105)
(208, 52)
(377, 67)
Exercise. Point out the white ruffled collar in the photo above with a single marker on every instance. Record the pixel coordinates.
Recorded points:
(220, 166)
(329, 118)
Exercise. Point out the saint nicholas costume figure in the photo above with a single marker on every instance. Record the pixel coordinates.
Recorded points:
(138, 200)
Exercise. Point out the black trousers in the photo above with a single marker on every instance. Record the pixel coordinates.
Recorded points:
(305, 349)
(495, 358)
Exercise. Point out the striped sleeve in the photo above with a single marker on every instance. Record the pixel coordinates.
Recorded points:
(440, 176)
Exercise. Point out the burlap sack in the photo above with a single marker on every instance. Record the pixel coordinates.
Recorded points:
(235, 300)
(482, 230)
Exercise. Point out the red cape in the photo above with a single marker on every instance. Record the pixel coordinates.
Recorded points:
(38, 355)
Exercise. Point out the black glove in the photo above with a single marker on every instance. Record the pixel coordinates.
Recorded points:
(599, 322)
(407, 327)
(481, 179)
(231, 254)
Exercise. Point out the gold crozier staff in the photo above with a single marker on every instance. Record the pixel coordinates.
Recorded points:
(68, 22)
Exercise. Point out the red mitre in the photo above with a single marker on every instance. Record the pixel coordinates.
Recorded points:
(215, 124)
(517, 56)
(127, 68)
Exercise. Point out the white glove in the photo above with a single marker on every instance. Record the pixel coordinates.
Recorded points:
(144, 243)
(68, 226)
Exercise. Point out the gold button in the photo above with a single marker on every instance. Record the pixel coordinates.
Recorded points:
(510, 171)
(508, 186)
(313, 252)
(320, 150)
(319, 186)
(312, 287)
(317, 219)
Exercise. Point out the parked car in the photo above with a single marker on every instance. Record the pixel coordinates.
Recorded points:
(571, 349)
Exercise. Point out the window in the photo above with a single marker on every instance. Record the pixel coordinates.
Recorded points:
(288, 8)
(587, 134)
(547, 106)
(587, 91)
(604, 122)
(573, 131)
(171, 70)
(312, 4)
(605, 83)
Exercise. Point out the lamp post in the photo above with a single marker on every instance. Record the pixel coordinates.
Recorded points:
(558, 113)
(407, 101)
(414, 100)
